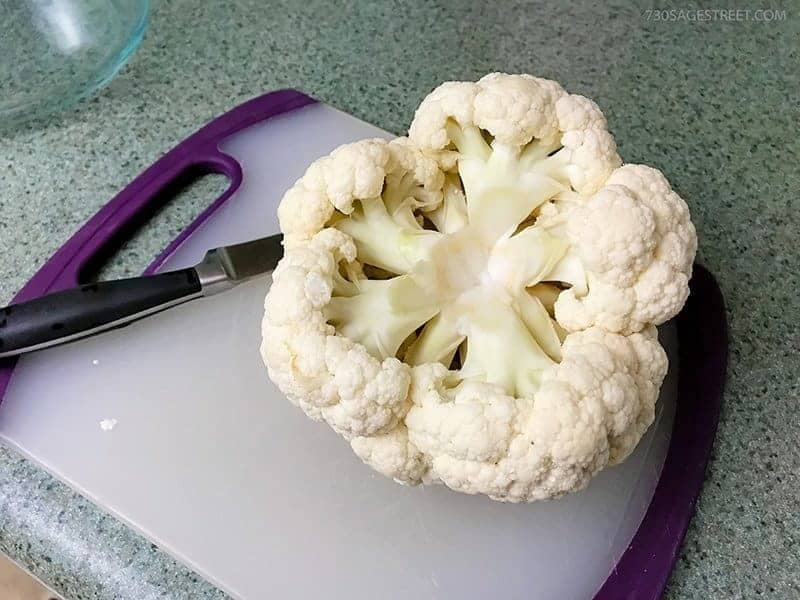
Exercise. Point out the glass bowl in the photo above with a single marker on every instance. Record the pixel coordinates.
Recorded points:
(54, 53)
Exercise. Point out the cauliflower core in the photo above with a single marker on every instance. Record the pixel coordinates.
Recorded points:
(475, 304)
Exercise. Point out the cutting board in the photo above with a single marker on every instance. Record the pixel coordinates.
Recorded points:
(209, 461)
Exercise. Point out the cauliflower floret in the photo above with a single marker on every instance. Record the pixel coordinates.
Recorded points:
(576, 113)
(475, 305)
(516, 109)
(470, 423)
(637, 243)
(590, 411)
(451, 100)
(303, 212)
(588, 158)
(328, 376)
(393, 455)
(350, 173)
(533, 125)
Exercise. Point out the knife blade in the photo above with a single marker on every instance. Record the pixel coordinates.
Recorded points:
(92, 308)
(223, 268)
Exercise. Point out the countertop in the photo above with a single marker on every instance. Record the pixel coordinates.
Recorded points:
(712, 99)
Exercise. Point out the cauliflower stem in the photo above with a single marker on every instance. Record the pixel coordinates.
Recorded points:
(464, 280)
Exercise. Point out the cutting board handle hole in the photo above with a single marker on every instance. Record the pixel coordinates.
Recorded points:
(128, 252)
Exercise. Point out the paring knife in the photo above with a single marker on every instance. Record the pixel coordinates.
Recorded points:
(96, 307)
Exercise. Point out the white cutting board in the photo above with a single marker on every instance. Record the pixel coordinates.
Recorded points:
(210, 462)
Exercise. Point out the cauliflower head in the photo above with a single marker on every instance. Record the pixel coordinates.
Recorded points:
(475, 304)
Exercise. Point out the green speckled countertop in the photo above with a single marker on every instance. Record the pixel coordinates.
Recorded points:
(715, 104)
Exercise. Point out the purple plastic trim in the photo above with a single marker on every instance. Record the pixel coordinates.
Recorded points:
(199, 151)
(643, 569)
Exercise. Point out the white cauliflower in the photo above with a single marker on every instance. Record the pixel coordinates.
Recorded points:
(475, 305)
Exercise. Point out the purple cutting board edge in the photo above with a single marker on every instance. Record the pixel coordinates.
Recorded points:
(644, 568)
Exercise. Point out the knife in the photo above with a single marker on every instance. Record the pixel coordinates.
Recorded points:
(92, 308)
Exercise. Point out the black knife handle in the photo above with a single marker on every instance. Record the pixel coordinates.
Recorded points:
(90, 308)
